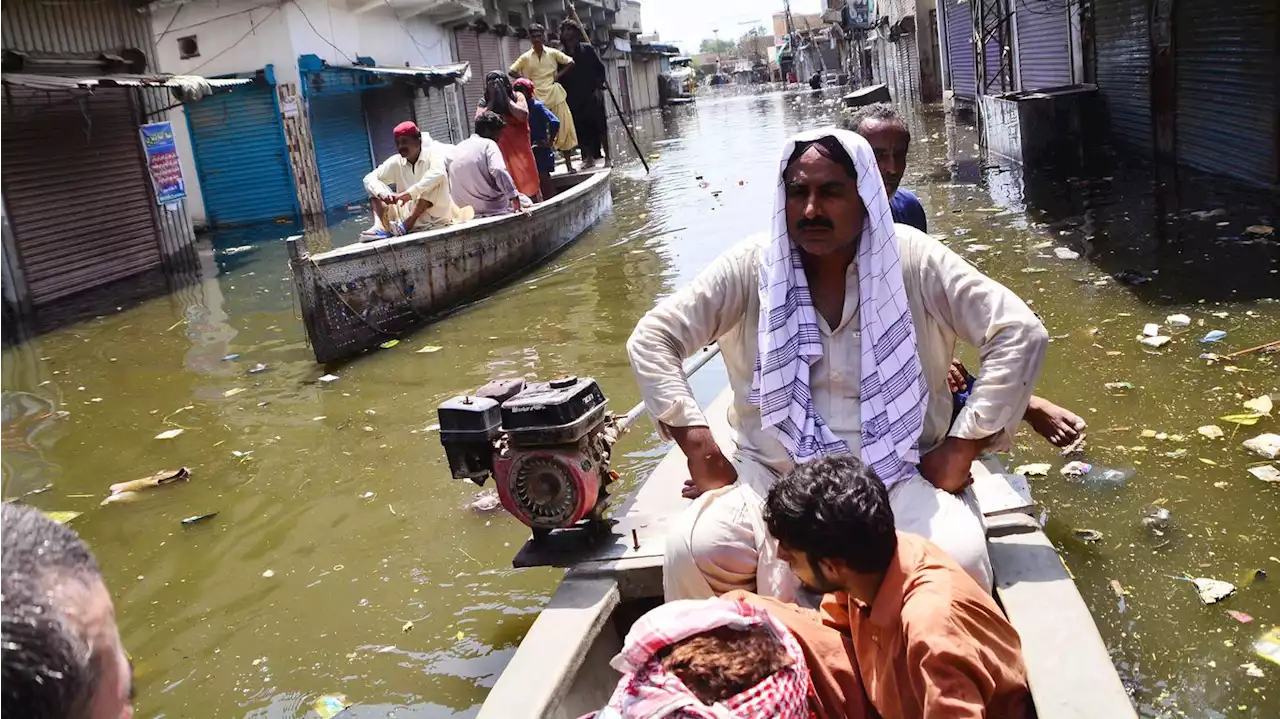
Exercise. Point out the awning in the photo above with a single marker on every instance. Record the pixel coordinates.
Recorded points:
(185, 88)
(438, 76)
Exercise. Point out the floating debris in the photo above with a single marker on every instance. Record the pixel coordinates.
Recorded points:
(1156, 518)
(1212, 591)
(170, 433)
(485, 501)
(389, 344)
(1038, 469)
(1266, 444)
(199, 518)
(429, 349)
(269, 573)
(1133, 278)
(1076, 469)
(1087, 535)
(1178, 321)
(1259, 229)
(328, 378)
(1118, 386)
(1252, 670)
(1151, 329)
(1239, 616)
(1063, 253)
(331, 705)
(128, 491)
(1247, 420)
(62, 516)
(407, 627)
(233, 392)
(230, 357)
(1213, 336)
(1266, 472)
(258, 368)
(1260, 405)
(1268, 645)
(1156, 341)
(1212, 431)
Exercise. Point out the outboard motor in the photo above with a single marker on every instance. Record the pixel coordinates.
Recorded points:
(547, 446)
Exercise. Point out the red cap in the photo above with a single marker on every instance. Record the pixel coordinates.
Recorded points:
(523, 84)
(406, 128)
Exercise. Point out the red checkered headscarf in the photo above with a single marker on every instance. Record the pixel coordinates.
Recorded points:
(647, 691)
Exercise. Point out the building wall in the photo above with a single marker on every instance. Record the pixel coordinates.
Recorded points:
(242, 36)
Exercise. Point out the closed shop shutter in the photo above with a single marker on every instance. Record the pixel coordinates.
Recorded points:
(514, 47)
(1226, 99)
(1123, 52)
(384, 108)
(958, 24)
(340, 137)
(241, 157)
(430, 107)
(469, 51)
(490, 60)
(1044, 43)
(87, 150)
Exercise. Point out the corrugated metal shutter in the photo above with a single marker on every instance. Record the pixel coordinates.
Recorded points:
(1123, 52)
(490, 60)
(87, 150)
(469, 51)
(958, 24)
(241, 157)
(1044, 43)
(1226, 100)
(430, 107)
(340, 137)
(384, 108)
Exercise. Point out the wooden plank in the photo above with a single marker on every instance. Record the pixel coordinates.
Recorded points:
(1068, 666)
(545, 666)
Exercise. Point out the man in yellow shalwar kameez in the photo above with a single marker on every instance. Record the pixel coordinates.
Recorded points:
(543, 66)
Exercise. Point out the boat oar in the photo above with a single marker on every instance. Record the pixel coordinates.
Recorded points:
(694, 364)
(627, 126)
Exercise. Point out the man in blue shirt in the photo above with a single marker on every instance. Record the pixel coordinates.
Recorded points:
(889, 137)
(543, 128)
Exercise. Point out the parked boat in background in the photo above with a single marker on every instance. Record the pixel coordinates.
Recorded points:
(561, 669)
(357, 297)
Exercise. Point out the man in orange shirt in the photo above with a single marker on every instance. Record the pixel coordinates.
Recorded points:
(927, 641)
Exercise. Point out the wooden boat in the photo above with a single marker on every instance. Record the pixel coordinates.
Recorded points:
(561, 669)
(357, 297)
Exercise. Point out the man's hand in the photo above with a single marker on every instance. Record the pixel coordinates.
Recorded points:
(947, 466)
(709, 469)
(955, 377)
(387, 199)
(403, 198)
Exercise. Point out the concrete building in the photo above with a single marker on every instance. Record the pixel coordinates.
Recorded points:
(904, 50)
(79, 83)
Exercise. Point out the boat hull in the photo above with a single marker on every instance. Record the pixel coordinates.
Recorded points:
(355, 298)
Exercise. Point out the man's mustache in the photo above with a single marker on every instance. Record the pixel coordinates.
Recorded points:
(807, 223)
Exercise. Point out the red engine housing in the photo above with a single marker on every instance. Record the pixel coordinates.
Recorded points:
(549, 487)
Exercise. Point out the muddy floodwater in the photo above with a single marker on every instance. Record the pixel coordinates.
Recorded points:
(342, 560)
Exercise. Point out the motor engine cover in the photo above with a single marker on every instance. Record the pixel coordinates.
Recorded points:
(548, 488)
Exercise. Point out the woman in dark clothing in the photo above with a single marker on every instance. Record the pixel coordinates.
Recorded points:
(583, 83)
(517, 150)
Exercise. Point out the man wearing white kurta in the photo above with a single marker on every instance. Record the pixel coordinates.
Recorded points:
(421, 198)
(837, 331)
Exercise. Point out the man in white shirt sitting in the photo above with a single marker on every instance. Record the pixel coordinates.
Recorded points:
(420, 200)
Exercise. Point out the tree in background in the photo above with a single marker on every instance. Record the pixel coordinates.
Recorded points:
(720, 47)
(748, 46)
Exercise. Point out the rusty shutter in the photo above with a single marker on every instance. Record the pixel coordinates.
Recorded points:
(431, 110)
(1044, 43)
(469, 52)
(490, 58)
(1122, 46)
(384, 108)
(1226, 102)
(76, 190)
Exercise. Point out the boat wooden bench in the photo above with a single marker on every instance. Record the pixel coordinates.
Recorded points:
(561, 669)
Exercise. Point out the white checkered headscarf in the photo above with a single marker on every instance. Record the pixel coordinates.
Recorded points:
(892, 381)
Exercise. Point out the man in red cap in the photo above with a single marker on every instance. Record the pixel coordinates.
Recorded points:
(420, 200)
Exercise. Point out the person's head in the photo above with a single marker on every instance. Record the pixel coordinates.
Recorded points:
(571, 33)
(833, 521)
(408, 140)
(489, 125)
(524, 87)
(537, 35)
(62, 655)
(722, 652)
(889, 137)
(497, 92)
(824, 211)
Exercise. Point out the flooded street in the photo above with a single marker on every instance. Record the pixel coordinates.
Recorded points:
(342, 559)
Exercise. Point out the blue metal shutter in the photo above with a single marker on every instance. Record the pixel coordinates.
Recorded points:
(1044, 43)
(241, 157)
(1122, 47)
(958, 24)
(1226, 99)
(340, 137)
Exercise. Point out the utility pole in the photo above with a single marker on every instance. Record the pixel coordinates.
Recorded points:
(791, 35)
